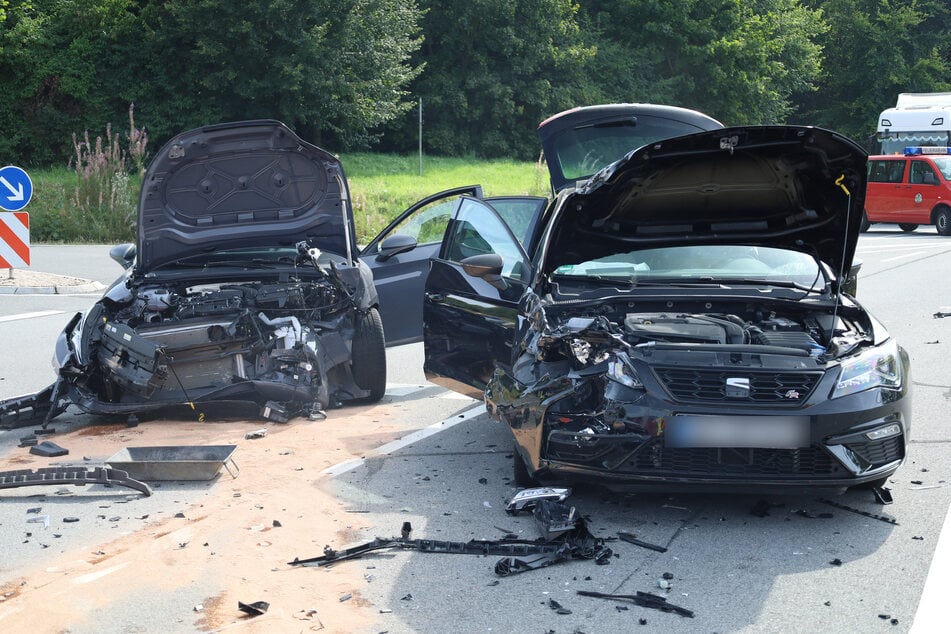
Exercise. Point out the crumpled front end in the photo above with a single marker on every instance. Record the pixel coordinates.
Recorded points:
(285, 345)
(735, 397)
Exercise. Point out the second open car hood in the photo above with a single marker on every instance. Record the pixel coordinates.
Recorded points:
(790, 187)
(238, 185)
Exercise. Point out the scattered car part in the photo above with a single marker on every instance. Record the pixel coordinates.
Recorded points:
(48, 449)
(883, 495)
(874, 516)
(171, 463)
(643, 599)
(519, 555)
(526, 499)
(80, 476)
(553, 519)
(943, 312)
(254, 609)
(42, 519)
(631, 539)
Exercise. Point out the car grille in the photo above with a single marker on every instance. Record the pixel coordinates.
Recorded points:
(880, 452)
(812, 462)
(694, 385)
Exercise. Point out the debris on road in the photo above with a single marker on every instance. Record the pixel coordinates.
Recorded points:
(643, 599)
(48, 449)
(526, 499)
(254, 609)
(874, 516)
(519, 555)
(80, 476)
(631, 539)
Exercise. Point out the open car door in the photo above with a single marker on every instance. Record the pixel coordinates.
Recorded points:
(470, 305)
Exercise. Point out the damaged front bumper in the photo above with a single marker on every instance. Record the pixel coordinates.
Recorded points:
(637, 441)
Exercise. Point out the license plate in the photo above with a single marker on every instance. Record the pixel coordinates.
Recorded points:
(756, 432)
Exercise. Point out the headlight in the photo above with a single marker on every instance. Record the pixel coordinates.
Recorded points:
(620, 371)
(878, 367)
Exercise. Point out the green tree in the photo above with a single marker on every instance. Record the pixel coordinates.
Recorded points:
(494, 70)
(735, 60)
(874, 50)
(321, 66)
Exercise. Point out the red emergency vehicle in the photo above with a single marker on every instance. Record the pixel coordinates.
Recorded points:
(910, 190)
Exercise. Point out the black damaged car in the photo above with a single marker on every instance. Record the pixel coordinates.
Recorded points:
(244, 285)
(680, 319)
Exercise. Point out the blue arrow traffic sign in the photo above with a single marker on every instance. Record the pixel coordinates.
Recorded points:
(16, 188)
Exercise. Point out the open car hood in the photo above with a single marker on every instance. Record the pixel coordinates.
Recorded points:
(243, 184)
(790, 187)
(579, 142)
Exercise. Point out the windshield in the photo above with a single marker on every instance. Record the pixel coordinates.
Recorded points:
(720, 264)
(586, 149)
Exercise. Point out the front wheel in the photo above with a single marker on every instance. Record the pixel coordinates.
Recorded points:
(942, 221)
(368, 362)
(907, 227)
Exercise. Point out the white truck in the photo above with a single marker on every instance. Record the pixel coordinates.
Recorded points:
(918, 119)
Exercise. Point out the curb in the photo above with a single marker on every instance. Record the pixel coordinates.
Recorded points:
(75, 289)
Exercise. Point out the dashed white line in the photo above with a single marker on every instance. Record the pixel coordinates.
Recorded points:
(900, 257)
(39, 313)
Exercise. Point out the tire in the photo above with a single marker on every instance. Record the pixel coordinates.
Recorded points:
(865, 223)
(942, 221)
(368, 355)
(520, 474)
(907, 227)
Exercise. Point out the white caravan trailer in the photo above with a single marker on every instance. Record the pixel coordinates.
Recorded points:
(918, 119)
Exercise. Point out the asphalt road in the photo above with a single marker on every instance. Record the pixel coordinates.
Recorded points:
(741, 564)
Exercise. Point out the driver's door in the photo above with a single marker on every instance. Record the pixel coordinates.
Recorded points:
(470, 306)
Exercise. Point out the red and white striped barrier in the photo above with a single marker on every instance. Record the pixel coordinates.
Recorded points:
(14, 239)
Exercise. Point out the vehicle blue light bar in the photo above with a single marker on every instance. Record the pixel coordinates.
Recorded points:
(918, 151)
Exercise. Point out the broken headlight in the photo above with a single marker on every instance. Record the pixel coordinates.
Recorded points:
(621, 371)
(877, 367)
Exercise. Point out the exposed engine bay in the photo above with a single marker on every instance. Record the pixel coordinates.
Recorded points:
(180, 342)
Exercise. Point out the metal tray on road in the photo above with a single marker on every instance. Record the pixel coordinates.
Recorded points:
(181, 462)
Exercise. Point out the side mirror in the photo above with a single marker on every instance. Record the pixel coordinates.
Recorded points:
(124, 254)
(394, 245)
(488, 267)
(851, 285)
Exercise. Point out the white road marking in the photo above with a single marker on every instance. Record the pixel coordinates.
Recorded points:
(93, 576)
(932, 614)
(405, 441)
(899, 257)
(39, 313)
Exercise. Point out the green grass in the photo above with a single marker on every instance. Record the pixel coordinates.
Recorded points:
(381, 186)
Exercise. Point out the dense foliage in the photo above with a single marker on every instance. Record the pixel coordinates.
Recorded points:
(348, 74)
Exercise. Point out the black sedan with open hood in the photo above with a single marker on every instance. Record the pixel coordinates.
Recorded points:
(683, 321)
(244, 285)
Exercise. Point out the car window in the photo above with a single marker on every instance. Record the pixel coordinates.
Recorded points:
(944, 165)
(521, 214)
(586, 149)
(922, 174)
(427, 224)
(477, 230)
(720, 262)
(885, 171)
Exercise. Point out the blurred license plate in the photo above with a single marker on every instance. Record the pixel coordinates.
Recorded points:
(760, 432)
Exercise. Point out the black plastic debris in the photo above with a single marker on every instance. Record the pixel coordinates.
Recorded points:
(254, 609)
(519, 555)
(874, 516)
(70, 520)
(48, 449)
(28, 441)
(557, 607)
(643, 599)
(346, 597)
(553, 519)
(631, 539)
(836, 562)
(883, 495)
(276, 412)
